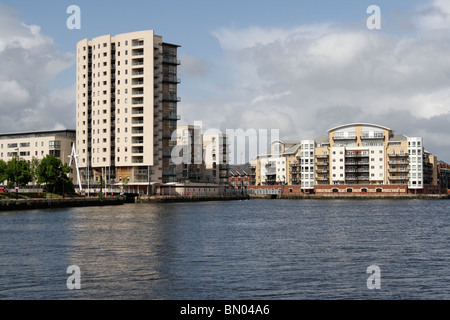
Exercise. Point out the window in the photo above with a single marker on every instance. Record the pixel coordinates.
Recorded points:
(54, 144)
(56, 153)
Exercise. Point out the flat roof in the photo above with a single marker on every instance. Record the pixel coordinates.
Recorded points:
(36, 133)
(359, 124)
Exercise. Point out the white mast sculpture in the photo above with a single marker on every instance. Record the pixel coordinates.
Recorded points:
(73, 156)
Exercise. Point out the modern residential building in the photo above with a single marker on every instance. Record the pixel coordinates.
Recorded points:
(216, 151)
(353, 155)
(190, 151)
(273, 168)
(126, 109)
(38, 144)
(444, 175)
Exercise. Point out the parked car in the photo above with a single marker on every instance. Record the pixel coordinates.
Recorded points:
(3, 190)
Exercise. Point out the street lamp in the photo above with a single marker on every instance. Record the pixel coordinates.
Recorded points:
(15, 173)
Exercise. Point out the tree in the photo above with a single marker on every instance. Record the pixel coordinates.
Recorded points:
(18, 172)
(3, 166)
(53, 173)
(34, 164)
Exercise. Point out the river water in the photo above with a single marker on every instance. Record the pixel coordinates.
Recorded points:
(255, 249)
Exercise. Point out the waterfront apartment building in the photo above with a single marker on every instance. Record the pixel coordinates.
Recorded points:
(126, 109)
(190, 153)
(350, 155)
(38, 144)
(201, 157)
(216, 159)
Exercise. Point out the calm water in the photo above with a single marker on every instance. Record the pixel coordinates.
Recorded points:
(257, 249)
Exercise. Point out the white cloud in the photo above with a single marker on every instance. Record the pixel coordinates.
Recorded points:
(307, 79)
(29, 60)
(239, 39)
(434, 16)
(194, 67)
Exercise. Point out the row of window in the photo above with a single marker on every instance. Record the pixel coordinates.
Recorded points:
(52, 145)
(56, 153)
(135, 42)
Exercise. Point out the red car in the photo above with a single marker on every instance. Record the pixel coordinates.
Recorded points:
(3, 190)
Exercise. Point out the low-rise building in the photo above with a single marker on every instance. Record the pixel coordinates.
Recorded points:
(38, 144)
(240, 176)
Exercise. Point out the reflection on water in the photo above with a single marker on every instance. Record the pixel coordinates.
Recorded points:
(257, 249)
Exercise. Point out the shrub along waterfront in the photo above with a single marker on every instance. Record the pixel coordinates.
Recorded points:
(49, 173)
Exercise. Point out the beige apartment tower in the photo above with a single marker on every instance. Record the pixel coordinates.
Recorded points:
(126, 109)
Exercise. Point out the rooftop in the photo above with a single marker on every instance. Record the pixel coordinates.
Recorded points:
(38, 134)
(359, 124)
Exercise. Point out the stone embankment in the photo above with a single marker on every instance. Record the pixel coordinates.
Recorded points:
(32, 204)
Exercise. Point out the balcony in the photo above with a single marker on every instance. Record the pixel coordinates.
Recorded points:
(138, 101)
(404, 162)
(397, 155)
(171, 60)
(171, 117)
(375, 136)
(171, 79)
(137, 82)
(399, 170)
(137, 53)
(171, 97)
(357, 155)
(141, 172)
(137, 110)
(169, 173)
(137, 62)
(322, 156)
(397, 178)
(137, 131)
(138, 43)
(138, 121)
(137, 140)
(137, 150)
(137, 72)
(342, 137)
(322, 163)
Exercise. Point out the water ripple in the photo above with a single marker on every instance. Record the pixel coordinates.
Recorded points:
(258, 249)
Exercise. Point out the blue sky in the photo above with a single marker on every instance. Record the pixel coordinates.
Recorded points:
(299, 66)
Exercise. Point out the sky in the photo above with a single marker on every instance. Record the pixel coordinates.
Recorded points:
(301, 67)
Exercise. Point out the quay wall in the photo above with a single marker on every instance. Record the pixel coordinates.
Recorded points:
(168, 199)
(33, 204)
